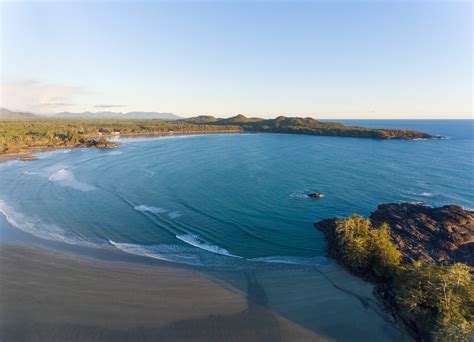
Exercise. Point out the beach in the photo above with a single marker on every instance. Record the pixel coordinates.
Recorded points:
(47, 294)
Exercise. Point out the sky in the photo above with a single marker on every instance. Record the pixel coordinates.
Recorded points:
(324, 59)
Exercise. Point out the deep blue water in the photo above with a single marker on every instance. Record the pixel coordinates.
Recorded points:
(232, 199)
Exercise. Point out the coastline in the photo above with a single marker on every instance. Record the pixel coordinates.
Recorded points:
(53, 291)
(56, 296)
(28, 151)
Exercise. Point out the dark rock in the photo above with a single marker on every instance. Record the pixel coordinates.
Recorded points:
(435, 235)
(432, 235)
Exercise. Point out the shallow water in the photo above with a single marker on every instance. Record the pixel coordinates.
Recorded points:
(231, 200)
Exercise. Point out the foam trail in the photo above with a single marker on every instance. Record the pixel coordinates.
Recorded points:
(150, 209)
(196, 241)
(66, 178)
(294, 260)
(40, 229)
(174, 214)
(171, 253)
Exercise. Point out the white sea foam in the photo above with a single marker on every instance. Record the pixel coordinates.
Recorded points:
(427, 194)
(172, 253)
(174, 214)
(294, 260)
(115, 153)
(199, 256)
(196, 241)
(40, 229)
(66, 178)
(153, 210)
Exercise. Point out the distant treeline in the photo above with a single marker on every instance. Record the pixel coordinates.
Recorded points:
(19, 135)
(24, 134)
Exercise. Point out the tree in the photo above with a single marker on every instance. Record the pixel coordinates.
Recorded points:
(385, 257)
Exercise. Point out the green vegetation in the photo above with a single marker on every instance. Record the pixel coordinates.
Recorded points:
(17, 135)
(310, 126)
(20, 135)
(438, 299)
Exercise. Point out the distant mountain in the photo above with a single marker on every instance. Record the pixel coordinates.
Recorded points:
(114, 115)
(11, 115)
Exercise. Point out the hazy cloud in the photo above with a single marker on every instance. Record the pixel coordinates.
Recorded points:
(109, 106)
(57, 104)
(37, 97)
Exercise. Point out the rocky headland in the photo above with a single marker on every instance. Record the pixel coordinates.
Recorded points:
(421, 260)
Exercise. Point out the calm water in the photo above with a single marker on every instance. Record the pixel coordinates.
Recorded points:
(231, 200)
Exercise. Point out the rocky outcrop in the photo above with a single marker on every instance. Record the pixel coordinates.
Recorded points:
(437, 236)
(442, 235)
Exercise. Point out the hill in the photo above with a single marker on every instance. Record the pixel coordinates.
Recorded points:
(11, 115)
(310, 126)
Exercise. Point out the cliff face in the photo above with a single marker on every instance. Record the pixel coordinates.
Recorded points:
(435, 235)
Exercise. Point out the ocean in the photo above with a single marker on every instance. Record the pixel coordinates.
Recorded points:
(232, 201)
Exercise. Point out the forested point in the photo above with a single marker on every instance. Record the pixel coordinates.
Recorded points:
(434, 302)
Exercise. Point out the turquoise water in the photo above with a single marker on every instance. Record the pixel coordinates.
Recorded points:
(231, 200)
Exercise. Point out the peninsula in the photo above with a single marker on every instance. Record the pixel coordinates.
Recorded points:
(34, 131)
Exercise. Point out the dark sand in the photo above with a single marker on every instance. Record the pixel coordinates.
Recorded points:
(50, 291)
(51, 296)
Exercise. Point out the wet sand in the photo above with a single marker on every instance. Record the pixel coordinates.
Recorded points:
(51, 296)
(50, 291)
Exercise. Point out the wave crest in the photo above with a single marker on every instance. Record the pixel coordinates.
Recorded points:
(40, 229)
(196, 241)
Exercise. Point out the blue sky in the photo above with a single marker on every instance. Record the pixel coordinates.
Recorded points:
(338, 59)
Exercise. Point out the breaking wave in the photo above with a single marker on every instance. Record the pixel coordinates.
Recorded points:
(172, 253)
(196, 256)
(196, 241)
(40, 229)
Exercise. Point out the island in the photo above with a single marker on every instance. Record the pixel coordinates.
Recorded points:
(20, 135)
(421, 260)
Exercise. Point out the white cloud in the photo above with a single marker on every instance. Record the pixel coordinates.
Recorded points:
(37, 97)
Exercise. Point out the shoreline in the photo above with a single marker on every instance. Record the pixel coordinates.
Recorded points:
(49, 295)
(28, 151)
(55, 291)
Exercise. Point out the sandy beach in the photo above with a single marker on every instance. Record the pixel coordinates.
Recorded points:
(47, 295)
